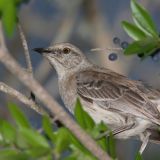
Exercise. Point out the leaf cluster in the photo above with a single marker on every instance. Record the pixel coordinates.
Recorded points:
(20, 141)
(143, 32)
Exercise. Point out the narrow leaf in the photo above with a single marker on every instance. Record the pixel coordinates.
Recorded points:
(145, 46)
(62, 140)
(8, 132)
(143, 19)
(21, 141)
(138, 156)
(112, 146)
(9, 17)
(11, 154)
(133, 31)
(83, 118)
(133, 48)
(79, 114)
(75, 143)
(38, 152)
(47, 126)
(98, 129)
(33, 138)
(18, 116)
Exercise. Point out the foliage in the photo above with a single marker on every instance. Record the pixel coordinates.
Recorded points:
(19, 140)
(8, 14)
(138, 156)
(143, 32)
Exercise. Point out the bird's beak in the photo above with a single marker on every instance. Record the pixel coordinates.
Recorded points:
(40, 50)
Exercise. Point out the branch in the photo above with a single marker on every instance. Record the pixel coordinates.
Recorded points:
(50, 103)
(22, 98)
(26, 50)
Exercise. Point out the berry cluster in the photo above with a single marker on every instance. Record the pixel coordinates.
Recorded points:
(123, 45)
(114, 56)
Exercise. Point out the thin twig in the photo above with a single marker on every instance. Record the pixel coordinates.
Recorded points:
(22, 98)
(26, 50)
(106, 49)
(27, 55)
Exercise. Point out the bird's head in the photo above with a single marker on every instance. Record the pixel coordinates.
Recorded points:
(63, 56)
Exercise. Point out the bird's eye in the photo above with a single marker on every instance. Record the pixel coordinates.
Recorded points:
(66, 50)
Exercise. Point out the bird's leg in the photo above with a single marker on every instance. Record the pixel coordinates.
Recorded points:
(144, 137)
(116, 130)
(33, 97)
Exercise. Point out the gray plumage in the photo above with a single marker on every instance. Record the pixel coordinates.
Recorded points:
(105, 95)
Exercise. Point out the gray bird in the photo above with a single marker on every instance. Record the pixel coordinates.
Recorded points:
(128, 107)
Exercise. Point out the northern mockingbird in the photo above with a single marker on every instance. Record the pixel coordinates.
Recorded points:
(128, 107)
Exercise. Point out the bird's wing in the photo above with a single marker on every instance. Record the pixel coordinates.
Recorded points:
(110, 87)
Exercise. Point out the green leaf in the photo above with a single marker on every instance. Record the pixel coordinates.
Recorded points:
(11, 154)
(78, 113)
(142, 19)
(98, 129)
(133, 48)
(47, 126)
(75, 143)
(18, 116)
(18, 2)
(2, 5)
(33, 138)
(9, 17)
(138, 156)
(38, 152)
(82, 117)
(48, 157)
(111, 146)
(62, 140)
(8, 14)
(146, 46)
(21, 142)
(71, 157)
(133, 31)
(8, 132)
(89, 121)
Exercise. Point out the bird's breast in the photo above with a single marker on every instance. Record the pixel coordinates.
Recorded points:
(68, 92)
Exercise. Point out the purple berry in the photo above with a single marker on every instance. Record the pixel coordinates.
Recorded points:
(112, 56)
(124, 45)
(116, 41)
(155, 57)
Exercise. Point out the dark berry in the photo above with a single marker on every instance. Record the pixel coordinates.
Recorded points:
(140, 55)
(155, 57)
(112, 56)
(33, 97)
(116, 41)
(124, 45)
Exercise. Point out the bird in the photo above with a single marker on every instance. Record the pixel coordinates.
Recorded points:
(129, 107)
